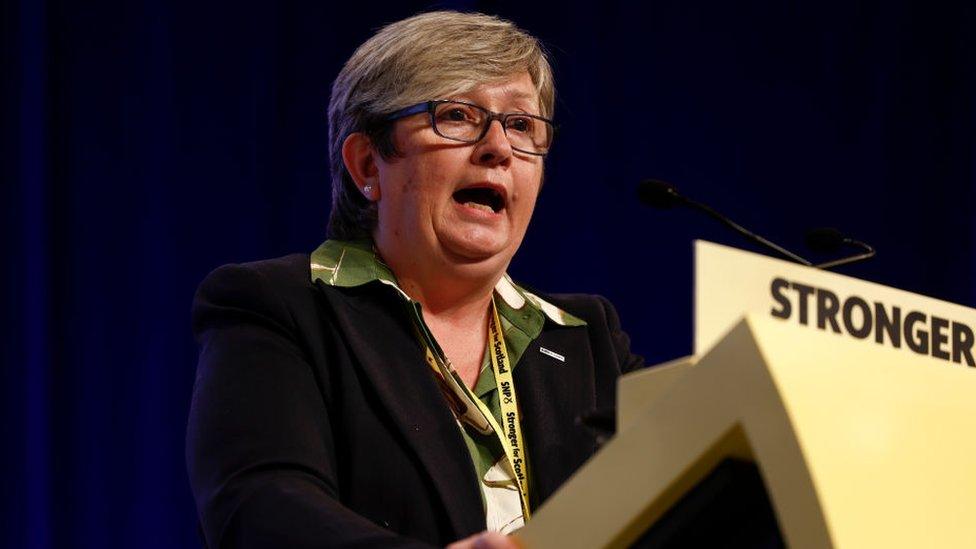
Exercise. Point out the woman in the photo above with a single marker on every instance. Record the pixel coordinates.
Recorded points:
(396, 388)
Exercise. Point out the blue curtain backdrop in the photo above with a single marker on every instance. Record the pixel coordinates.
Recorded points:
(145, 143)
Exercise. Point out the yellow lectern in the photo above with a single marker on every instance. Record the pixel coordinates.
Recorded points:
(862, 440)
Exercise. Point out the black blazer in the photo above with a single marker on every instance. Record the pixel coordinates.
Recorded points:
(316, 422)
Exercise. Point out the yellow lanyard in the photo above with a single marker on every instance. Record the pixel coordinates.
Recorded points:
(481, 418)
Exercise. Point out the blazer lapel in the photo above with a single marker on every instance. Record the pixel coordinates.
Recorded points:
(380, 336)
(552, 394)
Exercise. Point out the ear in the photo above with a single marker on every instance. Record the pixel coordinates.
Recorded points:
(359, 157)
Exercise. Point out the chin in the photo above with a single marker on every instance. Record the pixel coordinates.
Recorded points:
(485, 254)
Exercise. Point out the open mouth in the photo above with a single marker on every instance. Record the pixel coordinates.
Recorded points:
(482, 198)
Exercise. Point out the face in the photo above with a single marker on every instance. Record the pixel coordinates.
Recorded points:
(459, 205)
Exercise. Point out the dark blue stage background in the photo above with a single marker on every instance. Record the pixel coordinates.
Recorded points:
(145, 143)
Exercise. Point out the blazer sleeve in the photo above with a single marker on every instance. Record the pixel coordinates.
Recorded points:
(259, 447)
(627, 360)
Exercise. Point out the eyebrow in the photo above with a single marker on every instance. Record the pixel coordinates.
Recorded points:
(509, 94)
(518, 100)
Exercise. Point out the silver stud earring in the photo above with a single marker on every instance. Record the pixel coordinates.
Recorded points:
(368, 190)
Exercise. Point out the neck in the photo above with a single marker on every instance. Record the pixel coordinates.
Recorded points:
(448, 299)
(455, 299)
(444, 288)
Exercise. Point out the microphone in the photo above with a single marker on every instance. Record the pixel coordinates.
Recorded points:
(658, 194)
(829, 239)
(663, 195)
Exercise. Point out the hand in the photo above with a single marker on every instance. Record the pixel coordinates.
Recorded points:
(485, 540)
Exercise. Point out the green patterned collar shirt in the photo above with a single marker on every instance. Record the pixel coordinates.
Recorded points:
(346, 264)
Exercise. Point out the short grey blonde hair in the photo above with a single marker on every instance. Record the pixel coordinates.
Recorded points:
(428, 56)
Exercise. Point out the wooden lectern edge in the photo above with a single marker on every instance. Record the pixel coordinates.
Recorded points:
(731, 444)
(737, 360)
(771, 431)
(637, 389)
(707, 433)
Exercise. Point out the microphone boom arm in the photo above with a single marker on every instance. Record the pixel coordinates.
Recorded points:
(747, 233)
(868, 252)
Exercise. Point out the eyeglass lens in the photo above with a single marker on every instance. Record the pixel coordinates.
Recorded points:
(465, 122)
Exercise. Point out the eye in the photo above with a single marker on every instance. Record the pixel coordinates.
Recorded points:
(522, 124)
(457, 113)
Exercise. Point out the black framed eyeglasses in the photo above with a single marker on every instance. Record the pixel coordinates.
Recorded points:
(469, 123)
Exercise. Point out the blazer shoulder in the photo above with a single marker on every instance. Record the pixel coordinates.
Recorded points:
(272, 288)
(290, 270)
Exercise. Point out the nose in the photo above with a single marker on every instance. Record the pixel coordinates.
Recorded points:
(494, 148)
